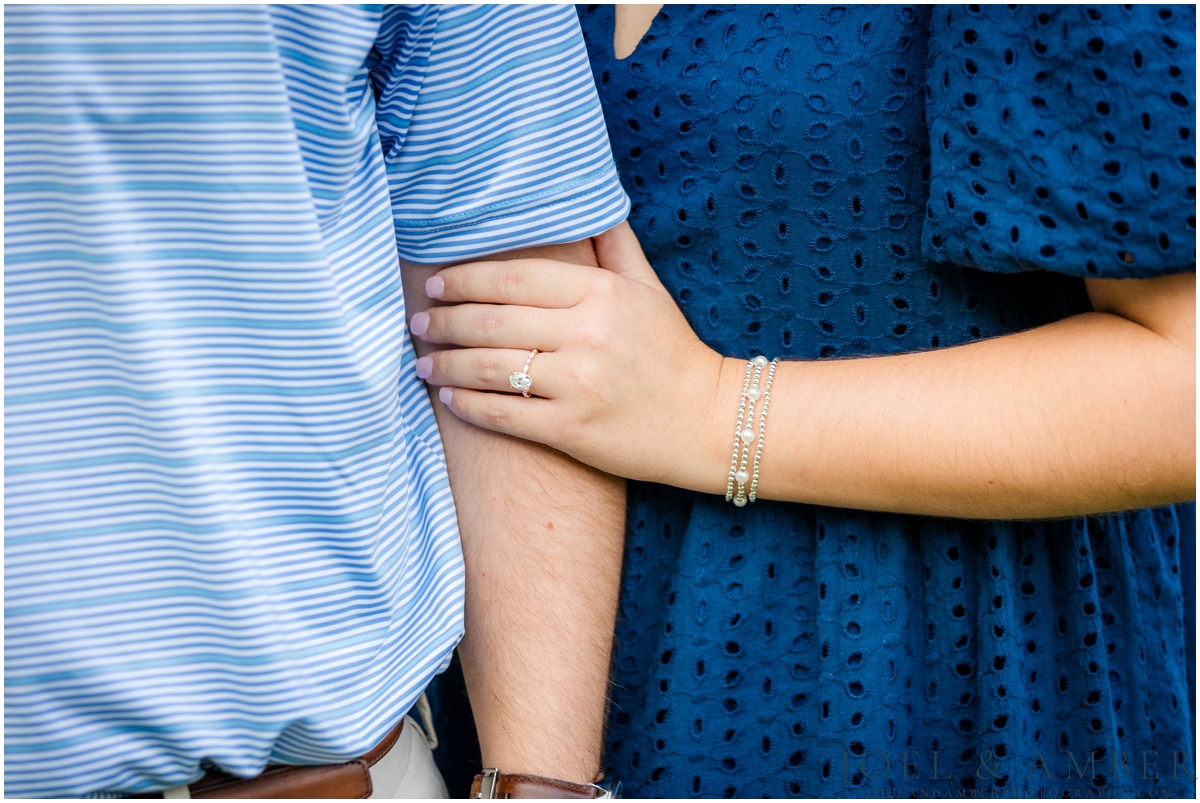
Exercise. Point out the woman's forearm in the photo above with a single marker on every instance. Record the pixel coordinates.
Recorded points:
(1093, 413)
(1090, 414)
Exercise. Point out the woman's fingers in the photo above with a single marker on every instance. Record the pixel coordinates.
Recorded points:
(530, 419)
(542, 283)
(488, 326)
(489, 369)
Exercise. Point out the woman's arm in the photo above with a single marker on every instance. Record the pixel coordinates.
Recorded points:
(1093, 413)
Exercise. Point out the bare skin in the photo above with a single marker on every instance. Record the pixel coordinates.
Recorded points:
(1089, 414)
(632, 22)
(542, 540)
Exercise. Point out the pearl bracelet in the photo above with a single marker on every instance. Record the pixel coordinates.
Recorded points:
(762, 429)
(745, 432)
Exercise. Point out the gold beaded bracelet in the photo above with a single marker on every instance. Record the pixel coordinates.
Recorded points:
(739, 476)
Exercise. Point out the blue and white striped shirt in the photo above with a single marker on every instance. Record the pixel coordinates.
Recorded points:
(229, 535)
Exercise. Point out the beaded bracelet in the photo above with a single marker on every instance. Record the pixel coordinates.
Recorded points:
(745, 432)
(762, 429)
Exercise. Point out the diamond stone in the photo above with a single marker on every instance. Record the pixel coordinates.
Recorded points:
(519, 381)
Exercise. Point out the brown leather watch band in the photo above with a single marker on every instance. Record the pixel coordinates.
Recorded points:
(532, 786)
(345, 781)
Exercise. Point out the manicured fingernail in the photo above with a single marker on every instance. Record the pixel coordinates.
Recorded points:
(446, 394)
(435, 286)
(425, 367)
(420, 323)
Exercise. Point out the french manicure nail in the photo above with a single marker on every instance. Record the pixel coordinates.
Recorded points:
(424, 367)
(435, 286)
(420, 323)
(446, 394)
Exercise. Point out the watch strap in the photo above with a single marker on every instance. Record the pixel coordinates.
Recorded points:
(492, 784)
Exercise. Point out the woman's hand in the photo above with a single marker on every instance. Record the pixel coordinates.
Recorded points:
(1089, 414)
(620, 381)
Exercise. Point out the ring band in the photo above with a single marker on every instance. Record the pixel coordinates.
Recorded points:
(520, 380)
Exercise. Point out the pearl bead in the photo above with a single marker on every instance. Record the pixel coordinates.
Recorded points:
(761, 361)
(742, 477)
(739, 501)
(752, 394)
(747, 435)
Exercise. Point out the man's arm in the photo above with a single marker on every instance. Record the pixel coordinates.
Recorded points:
(542, 539)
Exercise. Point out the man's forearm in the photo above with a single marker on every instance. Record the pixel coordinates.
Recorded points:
(542, 539)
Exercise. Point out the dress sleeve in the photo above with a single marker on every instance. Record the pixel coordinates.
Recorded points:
(491, 130)
(1062, 138)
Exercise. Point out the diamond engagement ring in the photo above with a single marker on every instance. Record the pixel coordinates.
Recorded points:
(520, 380)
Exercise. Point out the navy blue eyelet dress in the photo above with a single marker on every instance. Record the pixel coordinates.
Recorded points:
(822, 182)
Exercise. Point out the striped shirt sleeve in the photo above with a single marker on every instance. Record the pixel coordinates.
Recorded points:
(492, 131)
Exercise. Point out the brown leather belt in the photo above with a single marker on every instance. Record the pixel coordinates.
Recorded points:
(349, 780)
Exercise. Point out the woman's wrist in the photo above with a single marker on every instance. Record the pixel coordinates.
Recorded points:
(703, 464)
